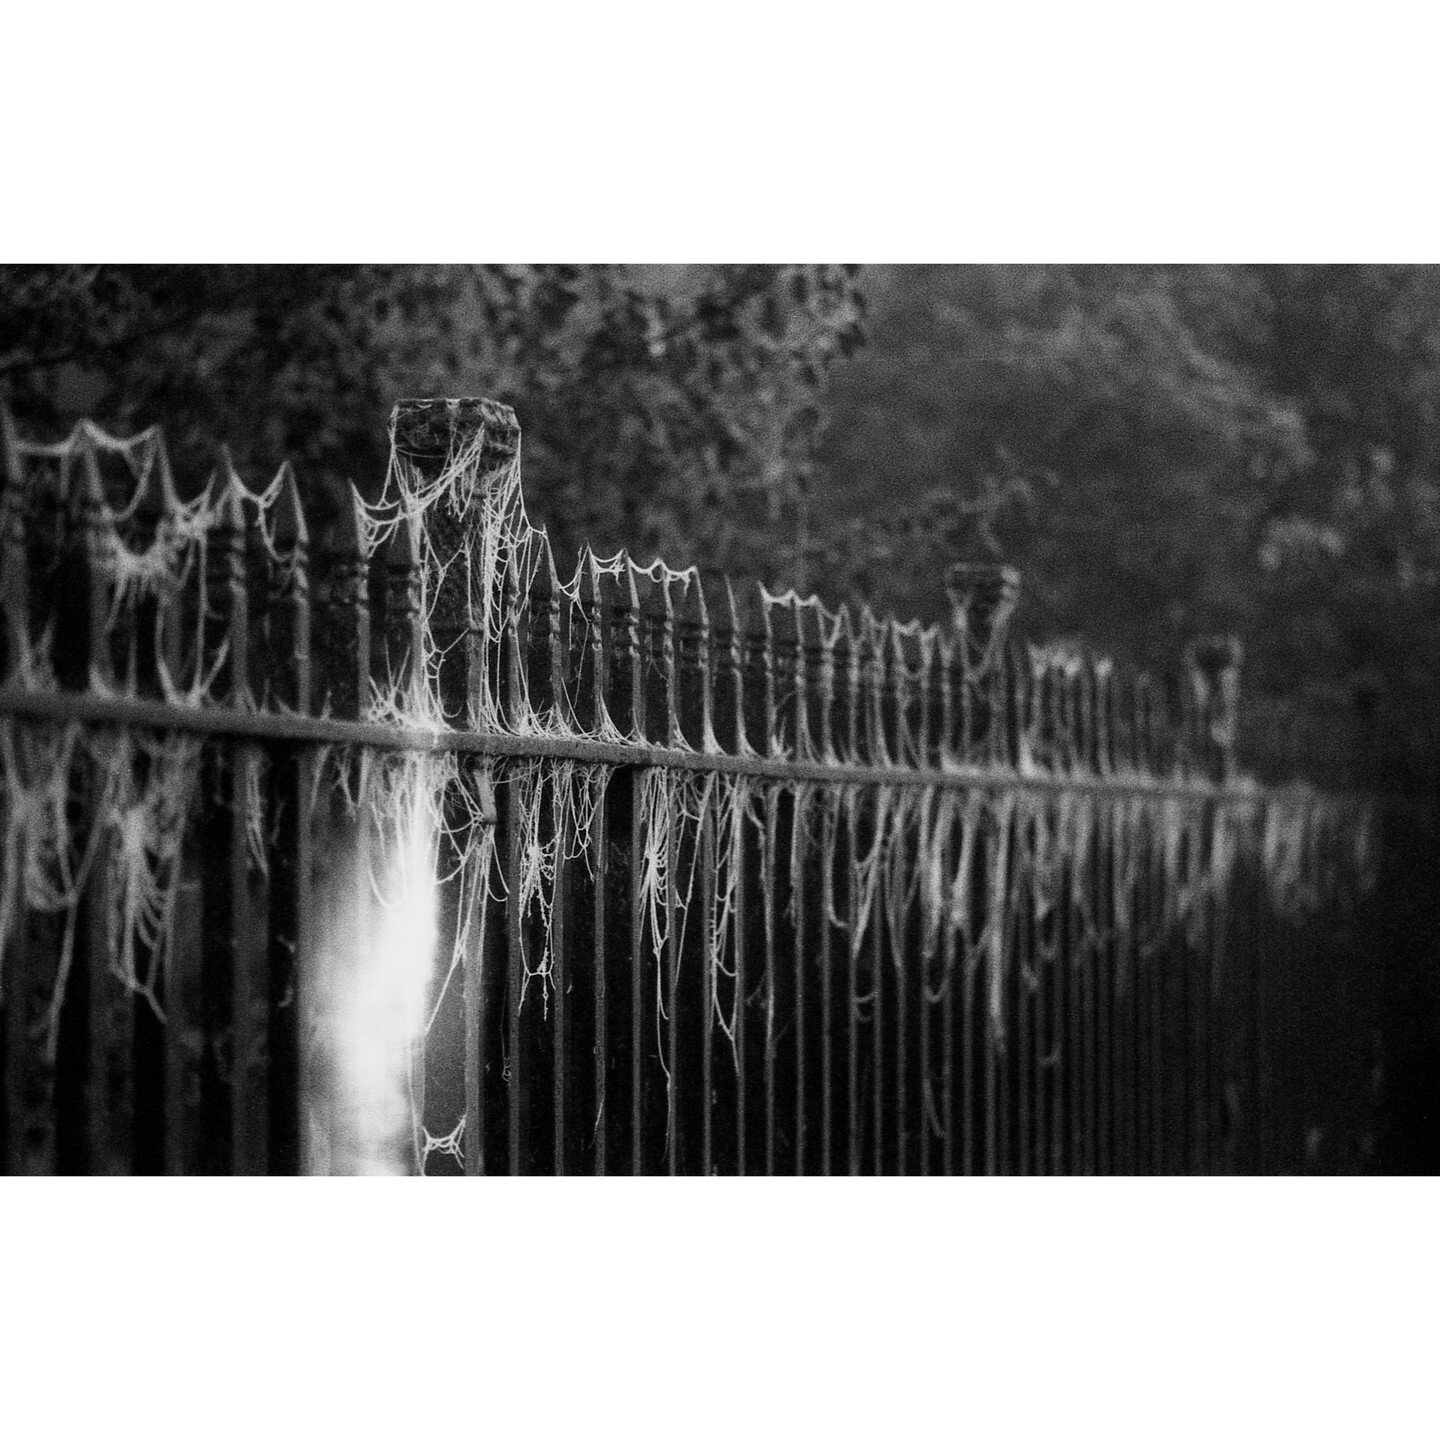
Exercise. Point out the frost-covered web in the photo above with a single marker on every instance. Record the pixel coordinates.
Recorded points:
(1004, 780)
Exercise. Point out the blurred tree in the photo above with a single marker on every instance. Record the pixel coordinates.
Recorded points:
(1083, 420)
(1164, 451)
(672, 409)
(273, 360)
(1349, 547)
(675, 410)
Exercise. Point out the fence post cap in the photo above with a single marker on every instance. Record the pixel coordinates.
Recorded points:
(429, 431)
(1213, 654)
(983, 596)
(1212, 664)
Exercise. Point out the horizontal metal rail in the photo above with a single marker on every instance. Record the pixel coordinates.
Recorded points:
(293, 729)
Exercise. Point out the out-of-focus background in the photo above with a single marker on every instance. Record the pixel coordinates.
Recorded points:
(1163, 451)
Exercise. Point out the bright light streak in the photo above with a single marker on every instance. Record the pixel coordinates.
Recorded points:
(372, 978)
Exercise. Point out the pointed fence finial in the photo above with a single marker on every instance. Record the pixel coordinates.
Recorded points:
(227, 624)
(349, 535)
(292, 535)
(403, 626)
(230, 505)
(290, 658)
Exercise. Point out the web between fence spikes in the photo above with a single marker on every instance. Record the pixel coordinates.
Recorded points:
(104, 810)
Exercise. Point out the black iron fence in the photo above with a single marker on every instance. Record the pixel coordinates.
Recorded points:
(406, 854)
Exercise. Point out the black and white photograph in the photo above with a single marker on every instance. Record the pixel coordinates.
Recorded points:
(883, 809)
(590, 719)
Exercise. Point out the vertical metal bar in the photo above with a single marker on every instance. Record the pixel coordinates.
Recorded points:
(895, 924)
(967, 1035)
(1123, 836)
(1032, 1078)
(184, 1037)
(30, 1078)
(947, 1032)
(1131, 1012)
(797, 900)
(1057, 1047)
(1140, 984)
(1091, 959)
(595, 642)
(1140, 981)
(512, 659)
(828, 839)
(1122, 1097)
(478, 862)
(873, 746)
(600, 866)
(550, 639)
(947, 751)
(730, 721)
(1028, 1092)
(108, 1061)
(1221, 1148)
(512, 842)
(847, 739)
(661, 639)
(249, 921)
(1199, 1049)
(796, 637)
(1262, 968)
(723, 723)
(696, 691)
(877, 1010)
(896, 917)
(672, 963)
(112, 1034)
(238, 907)
(1205, 1010)
(993, 1041)
(1159, 1054)
(293, 773)
(1105, 991)
(772, 799)
(634, 678)
(741, 882)
(924, 974)
(560, 979)
(1073, 958)
(1216, 989)
(707, 976)
(1138, 978)
(852, 1054)
(761, 643)
(896, 680)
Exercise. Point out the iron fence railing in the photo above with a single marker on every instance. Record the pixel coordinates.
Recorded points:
(405, 854)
